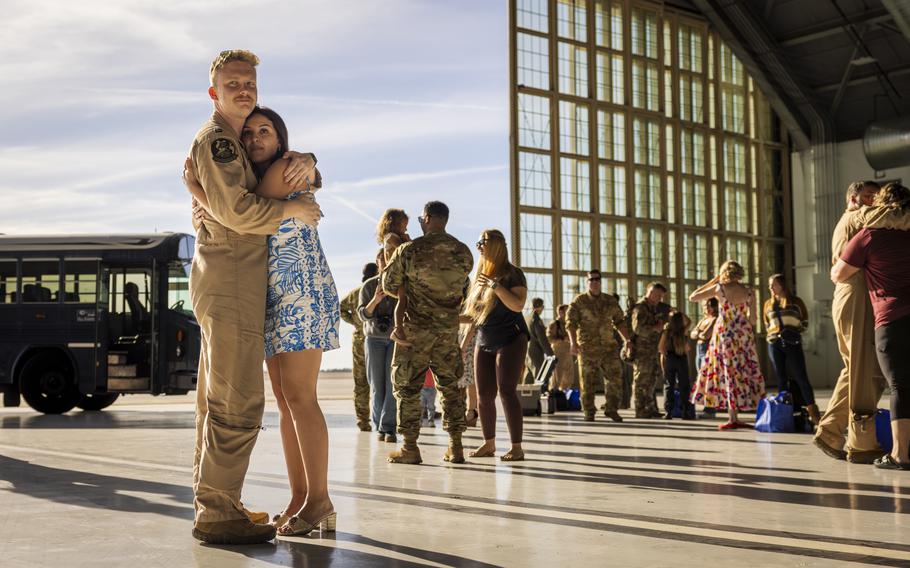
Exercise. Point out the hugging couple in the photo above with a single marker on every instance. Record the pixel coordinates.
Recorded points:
(259, 281)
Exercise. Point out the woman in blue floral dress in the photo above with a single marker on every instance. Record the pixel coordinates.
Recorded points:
(302, 320)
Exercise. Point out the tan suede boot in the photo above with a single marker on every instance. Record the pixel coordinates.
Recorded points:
(408, 453)
(455, 453)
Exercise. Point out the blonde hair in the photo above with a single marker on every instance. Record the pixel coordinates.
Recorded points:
(228, 56)
(730, 271)
(494, 263)
(388, 224)
(893, 195)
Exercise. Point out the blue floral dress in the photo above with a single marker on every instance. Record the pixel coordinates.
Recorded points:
(302, 308)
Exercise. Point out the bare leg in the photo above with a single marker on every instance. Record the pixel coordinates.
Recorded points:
(299, 373)
(901, 434)
(472, 397)
(289, 442)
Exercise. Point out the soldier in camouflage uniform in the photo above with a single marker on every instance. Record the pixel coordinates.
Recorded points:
(590, 322)
(434, 271)
(361, 385)
(648, 319)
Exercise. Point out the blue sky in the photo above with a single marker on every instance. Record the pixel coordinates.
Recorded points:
(402, 100)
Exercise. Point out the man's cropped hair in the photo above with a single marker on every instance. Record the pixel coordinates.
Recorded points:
(436, 209)
(658, 285)
(228, 56)
(537, 303)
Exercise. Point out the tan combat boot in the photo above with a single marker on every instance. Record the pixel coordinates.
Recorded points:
(408, 453)
(455, 453)
(235, 531)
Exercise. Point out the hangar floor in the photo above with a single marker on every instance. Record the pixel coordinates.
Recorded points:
(113, 489)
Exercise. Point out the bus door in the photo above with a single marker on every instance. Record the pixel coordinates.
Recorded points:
(83, 312)
(129, 329)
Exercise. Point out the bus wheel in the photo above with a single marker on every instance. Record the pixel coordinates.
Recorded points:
(97, 401)
(48, 385)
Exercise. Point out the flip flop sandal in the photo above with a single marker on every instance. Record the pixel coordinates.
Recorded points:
(482, 453)
(513, 456)
(887, 462)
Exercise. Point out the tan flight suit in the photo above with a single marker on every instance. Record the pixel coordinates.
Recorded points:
(860, 384)
(228, 288)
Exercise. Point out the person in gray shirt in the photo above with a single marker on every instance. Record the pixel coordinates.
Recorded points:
(377, 311)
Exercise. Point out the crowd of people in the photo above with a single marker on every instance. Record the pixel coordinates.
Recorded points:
(424, 326)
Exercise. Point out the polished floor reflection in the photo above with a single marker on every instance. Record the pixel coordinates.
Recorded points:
(112, 489)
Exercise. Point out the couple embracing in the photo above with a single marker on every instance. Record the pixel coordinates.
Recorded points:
(259, 278)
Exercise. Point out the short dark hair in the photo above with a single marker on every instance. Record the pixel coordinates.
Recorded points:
(656, 284)
(369, 270)
(713, 303)
(537, 303)
(594, 271)
(436, 209)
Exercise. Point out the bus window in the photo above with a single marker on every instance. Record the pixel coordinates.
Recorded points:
(80, 281)
(40, 280)
(7, 281)
(178, 287)
(129, 301)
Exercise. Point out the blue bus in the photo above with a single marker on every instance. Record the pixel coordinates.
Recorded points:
(86, 318)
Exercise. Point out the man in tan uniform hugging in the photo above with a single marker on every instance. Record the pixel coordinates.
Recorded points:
(228, 288)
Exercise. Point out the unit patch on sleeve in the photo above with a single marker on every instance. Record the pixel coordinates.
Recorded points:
(223, 150)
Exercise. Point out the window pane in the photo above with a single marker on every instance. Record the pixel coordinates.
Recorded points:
(610, 78)
(612, 189)
(571, 19)
(536, 241)
(534, 188)
(646, 142)
(540, 286)
(645, 85)
(648, 191)
(40, 280)
(644, 33)
(734, 162)
(575, 184)
(573, 128)
(80, 280)
(573, 285)
(576, 244)
(533, 122)
(650, 250)
(614, 253)
(608, 24)
(532, 15)
(7, 281)
(573, 70)
(533, 61)
(611, 132)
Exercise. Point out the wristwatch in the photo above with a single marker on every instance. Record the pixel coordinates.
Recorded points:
(494, 286)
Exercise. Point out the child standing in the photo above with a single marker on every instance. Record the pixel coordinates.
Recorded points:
(428, 401)
(702, 335)
(674, 360)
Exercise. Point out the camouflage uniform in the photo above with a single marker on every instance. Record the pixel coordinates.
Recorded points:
(594, 318)
(646, 373)
(361, 385)
(434, 269)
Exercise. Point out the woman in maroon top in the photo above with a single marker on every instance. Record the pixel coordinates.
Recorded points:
(882, 253)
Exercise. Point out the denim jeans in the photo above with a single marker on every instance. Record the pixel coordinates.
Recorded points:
(428, 403)
(789, 362)
(701, 351)
(378, 353)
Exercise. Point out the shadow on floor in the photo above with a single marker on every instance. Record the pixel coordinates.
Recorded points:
(94, 490)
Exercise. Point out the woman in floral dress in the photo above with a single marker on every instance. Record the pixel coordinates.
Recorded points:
(730, 376)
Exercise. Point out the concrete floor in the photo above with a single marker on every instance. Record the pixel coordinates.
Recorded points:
(113, 489)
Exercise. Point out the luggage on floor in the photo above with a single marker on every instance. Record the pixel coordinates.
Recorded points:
(547, 404)
(676, 409)
(529, 397)
(545, 372)
(883, 430)
(775, 414)
(573, 399)
(558, 398)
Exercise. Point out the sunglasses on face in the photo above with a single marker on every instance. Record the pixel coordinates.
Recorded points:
(480, 243)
